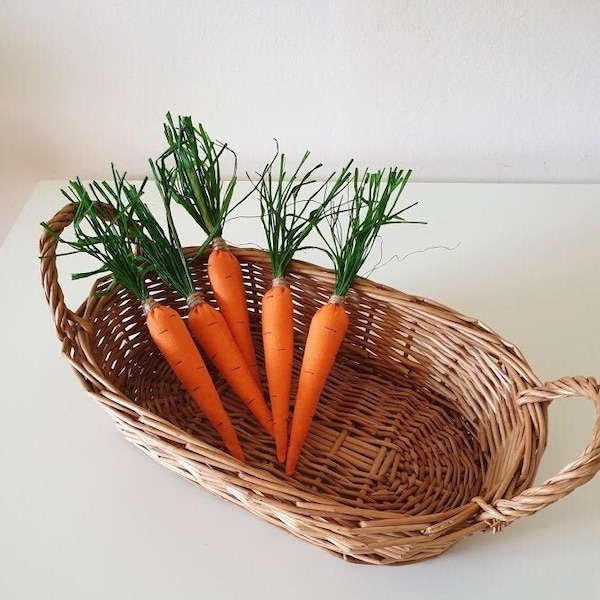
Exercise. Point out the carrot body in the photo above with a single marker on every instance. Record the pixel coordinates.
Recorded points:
(278, 343)
(210, 329)
(326, 332)
(173, 339)
(225, 276)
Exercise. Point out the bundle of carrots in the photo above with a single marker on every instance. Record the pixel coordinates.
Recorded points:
(104, 229)
(287, 221)
(345, 211)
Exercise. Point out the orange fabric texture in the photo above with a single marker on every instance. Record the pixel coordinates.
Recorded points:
(278, 343)
(208, 326)
(326, 332)
(173, 339)
(225, 276)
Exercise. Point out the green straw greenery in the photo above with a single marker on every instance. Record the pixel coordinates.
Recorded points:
(352, 226)
(103, 228)
(192, 166)
(162, 250)
(288, 217)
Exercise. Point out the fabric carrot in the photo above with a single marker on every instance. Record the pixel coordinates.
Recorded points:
(109, 244)
(198, 186)
(290, 208)
(164, 254)
(372, 204)
(210, 329)
(278, 341)
(226, 281)
(173, 339)
(325, 335)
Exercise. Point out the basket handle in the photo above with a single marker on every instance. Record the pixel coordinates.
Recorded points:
(63, 316)
(576, 473)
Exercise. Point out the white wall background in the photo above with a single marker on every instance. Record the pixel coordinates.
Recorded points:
(504, 90)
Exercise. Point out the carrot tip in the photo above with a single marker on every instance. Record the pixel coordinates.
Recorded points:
(281, 455)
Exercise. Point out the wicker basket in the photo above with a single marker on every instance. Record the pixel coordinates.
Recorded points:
(430, 428)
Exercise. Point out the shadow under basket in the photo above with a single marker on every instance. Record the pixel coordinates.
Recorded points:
(430, 427)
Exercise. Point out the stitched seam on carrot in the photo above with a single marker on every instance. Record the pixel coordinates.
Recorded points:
(209, 328)
(278, 343)
(325, 335)
(181, 353)
(225, 277)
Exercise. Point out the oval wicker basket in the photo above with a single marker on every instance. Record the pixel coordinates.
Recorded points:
(430, 428)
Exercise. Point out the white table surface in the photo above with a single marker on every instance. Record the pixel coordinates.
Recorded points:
(86, 515)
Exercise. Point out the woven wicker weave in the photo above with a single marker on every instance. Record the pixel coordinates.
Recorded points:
(430, 428)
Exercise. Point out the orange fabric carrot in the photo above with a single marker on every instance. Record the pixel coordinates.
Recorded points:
(353, 228)
(225, 276)
(210, 329)
(325, 335)
(278, 341)
(173, 339)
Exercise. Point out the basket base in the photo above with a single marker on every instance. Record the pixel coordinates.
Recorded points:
(373, 444)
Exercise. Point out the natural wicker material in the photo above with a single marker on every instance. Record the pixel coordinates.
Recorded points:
(431, 427)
